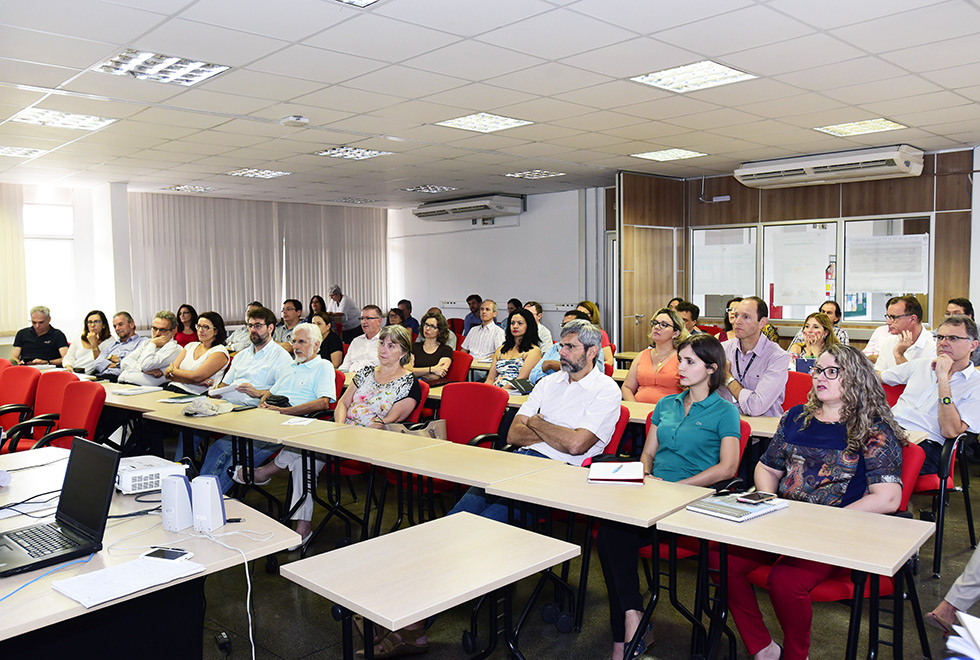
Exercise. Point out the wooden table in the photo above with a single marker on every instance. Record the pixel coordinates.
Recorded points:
(255, 424)
(137, 403)
(38, 606)
(426, 569)
(625, 356)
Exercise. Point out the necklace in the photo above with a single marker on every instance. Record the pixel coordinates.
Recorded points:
(661, 363)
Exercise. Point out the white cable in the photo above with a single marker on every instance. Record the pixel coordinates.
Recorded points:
(248, 577)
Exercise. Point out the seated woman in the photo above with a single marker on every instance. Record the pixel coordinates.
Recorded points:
(653, 374)
(693, 439)
(513, 305)
(842, 448)
(377, 396)
(395, 317)
(83, 353)
(728, 329)
(831, 309)
(592, 310)
(331, 345)
(186, 330)
(202, 363)
(519, 352)
(317, 304)
(818, 334)
(431, 357)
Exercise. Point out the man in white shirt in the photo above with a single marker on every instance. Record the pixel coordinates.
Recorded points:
(363, 351)
(942, 394)
(482, 340)
(345, 310)
(907, 340)
(239, 341)
(292, 315)
(569, 416)
(107, 361)
(145, 364)
(544, 334)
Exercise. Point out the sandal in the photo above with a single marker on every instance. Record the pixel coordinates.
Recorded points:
(936, 621)
(237, 475)
(402, 642)
(379, 631)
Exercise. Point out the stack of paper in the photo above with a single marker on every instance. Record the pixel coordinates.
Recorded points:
(97, 587)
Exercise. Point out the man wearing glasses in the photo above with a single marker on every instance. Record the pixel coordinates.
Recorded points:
(906, 340)
(965, 307)
(239, 339)
(942, 394)
(292, 315)
(757, 367)
(363, 350)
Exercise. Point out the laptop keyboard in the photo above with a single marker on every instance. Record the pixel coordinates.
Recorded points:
(42, 540)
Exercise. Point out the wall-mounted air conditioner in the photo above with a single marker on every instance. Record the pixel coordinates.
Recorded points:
(490, 206)
(838, 167)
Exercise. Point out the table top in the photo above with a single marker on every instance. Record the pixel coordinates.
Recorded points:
(566, 487)
(138, 402)
(627, 356)
(38, 605)
(255, 423)
(361, 444)
(425, 569)
(851, 539)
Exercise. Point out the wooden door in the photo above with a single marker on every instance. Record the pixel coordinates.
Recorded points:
(647, 280)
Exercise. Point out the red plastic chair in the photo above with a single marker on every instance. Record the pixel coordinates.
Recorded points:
(4, 363)
(78, 414)
(18, 387)
(712, 330)
(459, 369)
(893, 393)
(798, 388)
(47, 403)
(456, 324)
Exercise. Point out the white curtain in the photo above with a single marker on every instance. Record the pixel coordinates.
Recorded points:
(13, 273)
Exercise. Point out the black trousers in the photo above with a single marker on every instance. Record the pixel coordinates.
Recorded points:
(619, 546)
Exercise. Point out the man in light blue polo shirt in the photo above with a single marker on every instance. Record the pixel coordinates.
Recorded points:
(107, 362)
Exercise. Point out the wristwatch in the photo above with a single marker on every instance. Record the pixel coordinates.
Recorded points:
(731, 379)
(945, 400)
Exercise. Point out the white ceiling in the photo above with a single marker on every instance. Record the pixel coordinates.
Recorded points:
(381, 77)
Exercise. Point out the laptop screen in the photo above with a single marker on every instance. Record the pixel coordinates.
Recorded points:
(87, 491)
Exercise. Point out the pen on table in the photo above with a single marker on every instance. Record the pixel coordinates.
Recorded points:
(618, 468)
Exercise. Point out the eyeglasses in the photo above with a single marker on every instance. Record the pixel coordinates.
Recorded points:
(662, 325)
(289, 309)
(569, 347)
(255, 326)
(156, 329)
(201, 326)
(368, 318)
(951, 338)
(429, 326)
(832, 373)
(95, 322)
(895, 317)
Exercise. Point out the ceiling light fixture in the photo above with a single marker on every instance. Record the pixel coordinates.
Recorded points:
(534, 174)
(860, 127)
(58, 119)
(351, 153)
(353, 200)
(692, 77)
(187, 188)
(159, 68)
(669, 154)
(483, 122)
(358, 3)
(429, 188)
(254, 173)
(21, 152)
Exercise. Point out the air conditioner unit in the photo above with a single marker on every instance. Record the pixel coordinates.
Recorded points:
(839, 167)
(492, 206)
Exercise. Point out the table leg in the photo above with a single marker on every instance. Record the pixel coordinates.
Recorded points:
(651, 606)
(857, 604)
(345, 616)
(913, 597)
(874, 615)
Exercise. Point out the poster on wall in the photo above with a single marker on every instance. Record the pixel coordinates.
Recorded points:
(887, 263)
(800, 270)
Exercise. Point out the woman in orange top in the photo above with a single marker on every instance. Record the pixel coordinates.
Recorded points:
(653, 374)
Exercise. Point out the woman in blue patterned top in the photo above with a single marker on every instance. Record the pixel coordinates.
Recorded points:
(519, 353)
(842, 448)
(693, 439)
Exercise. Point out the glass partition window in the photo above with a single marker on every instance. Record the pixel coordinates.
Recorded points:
(49, 253)
(799, 268)
(723, 263)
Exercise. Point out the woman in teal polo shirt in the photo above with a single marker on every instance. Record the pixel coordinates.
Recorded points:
(693, 439)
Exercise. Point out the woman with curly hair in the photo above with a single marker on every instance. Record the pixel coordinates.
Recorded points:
(841, 448)
(520, 350)
(432, 357)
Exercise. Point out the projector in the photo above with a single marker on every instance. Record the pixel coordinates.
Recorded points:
(141, 474)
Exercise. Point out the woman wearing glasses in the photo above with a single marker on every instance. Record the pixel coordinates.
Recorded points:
(95, 336)
(653, 374)
(842, 448)
(201, 363)
(432, 357)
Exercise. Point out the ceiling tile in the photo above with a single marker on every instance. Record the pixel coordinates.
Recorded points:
(712, 119)
(122, 87)
(289, 22)
(31, 73)
(466, 18)
(548, 79)
(86, 19)
(556, 34)
(473, 60)
(925, 25)
(861, 70)
(937, 56)
(598, 121)
(403, 81)
(479, 96)
(882, 90)
(210, 43)
(806, 52)
(904, 106)
(614, 94)
(260, 85)
(208, 101)
(544, 109)
(637, 15)
(42, 48)
(672, 106)
(955, 76)
(318, 116)
(735, 31)
(348, 99)
(836, 13)
(633, 57)
(792, 105)
(381, 38)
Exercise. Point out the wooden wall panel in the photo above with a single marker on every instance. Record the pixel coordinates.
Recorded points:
(626, 248)
(805, 203)
(953, 188)
(652, 283)
(743, 207)
(908, 195)
(952, 267)
(652, 201)
(610, 204)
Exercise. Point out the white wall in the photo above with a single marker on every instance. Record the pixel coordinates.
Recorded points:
(537, 255)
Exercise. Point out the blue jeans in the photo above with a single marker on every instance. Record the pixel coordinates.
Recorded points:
(476, 500)
(219, 458)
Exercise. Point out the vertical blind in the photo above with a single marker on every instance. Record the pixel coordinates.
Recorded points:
(13, 275)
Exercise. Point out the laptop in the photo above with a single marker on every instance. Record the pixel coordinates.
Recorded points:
(79, 524)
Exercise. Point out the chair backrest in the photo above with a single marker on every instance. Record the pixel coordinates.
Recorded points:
(414, 417)
(471, 409)
(612, 447)
(50, 396)
(913, 456)
(608, 368)
(798, 388)
(4, 363)
(456, 324)
(459, 369)
(17, 385)
(893, 393)
(82, 405)
(346, 346)
(339, 380)
(712, 330)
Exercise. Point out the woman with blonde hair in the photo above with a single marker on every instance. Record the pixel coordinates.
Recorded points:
(818, 334)
(653, 374)
(592, 310)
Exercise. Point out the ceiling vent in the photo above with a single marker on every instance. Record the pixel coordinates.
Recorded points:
(491, 206)
(838, 167)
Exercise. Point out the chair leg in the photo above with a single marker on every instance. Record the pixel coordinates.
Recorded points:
(940, 511)
(965, 486)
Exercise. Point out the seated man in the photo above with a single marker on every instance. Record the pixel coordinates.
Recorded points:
(832, 310)
(239, 341)
(484, 339)
(363, 351)
(942, 394)
(145, 364)
(292, 314)
(473, 318)
(40, 343)
(252, 371)
(907, 339)
(544, 334)
(411, 323)
(689, 313)
(107, 362)
(757, 367)
(964, 307)
(549, 362)
(569, 416)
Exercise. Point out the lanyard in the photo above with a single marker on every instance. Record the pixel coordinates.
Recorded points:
(738, 370)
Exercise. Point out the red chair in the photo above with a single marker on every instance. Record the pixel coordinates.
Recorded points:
(712, 330)
(18, 386)
(456, 324)
(608, 368)
(47, 404)
(78, 414)
(459, 369)
(346, 346)
(893, 393)
(798, 388)
(4, 363)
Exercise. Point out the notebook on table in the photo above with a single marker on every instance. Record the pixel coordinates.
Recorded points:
(729, 508)
(80, 521)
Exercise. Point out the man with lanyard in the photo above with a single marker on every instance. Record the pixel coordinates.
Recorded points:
(757, 367)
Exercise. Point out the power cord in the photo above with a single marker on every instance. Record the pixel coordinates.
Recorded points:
(53, 570)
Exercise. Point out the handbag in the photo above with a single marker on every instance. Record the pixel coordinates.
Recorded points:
(435, 428)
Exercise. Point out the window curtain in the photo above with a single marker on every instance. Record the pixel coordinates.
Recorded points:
(13, 308)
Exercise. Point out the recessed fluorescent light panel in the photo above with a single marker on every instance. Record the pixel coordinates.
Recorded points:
(534, 174)
(669, 154)
(429, 188)
(358, 3)
(692, 77)
(193, 189)
(257, 174)
(353, 200)
(159, 68)
(860, 127)
(57, 119)
(483, 122)
(352, 153)
(21, 152)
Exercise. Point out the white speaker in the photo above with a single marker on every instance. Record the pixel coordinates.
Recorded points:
(209, 505)
(176, 503)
